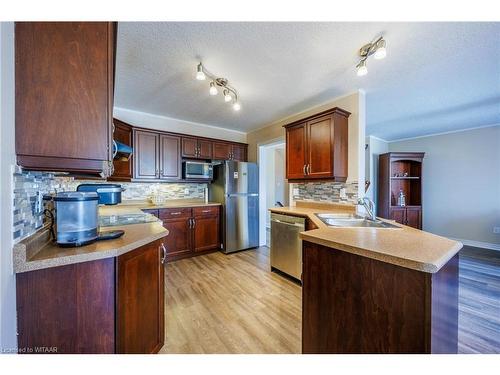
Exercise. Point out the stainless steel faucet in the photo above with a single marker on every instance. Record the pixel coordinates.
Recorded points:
(369, 206)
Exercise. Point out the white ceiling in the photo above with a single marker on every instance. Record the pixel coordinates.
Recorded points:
(436, 77)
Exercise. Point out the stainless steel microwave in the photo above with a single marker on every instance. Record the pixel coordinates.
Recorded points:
(196, 170)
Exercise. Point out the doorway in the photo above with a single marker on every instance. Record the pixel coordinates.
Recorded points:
(273, 186)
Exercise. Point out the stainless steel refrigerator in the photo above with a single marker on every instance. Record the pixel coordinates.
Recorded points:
(236, 186)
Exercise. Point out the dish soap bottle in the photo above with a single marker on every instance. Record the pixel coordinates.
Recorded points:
(401, 199)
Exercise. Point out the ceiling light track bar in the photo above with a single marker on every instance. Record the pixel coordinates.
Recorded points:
(229, 92)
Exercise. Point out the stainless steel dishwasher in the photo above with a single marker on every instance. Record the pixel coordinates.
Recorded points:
(286, 246)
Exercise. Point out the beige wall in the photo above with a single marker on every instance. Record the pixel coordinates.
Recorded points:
(353, 103)
(461, 183)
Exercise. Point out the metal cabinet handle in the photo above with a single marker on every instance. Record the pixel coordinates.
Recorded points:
(163, 253)
(194, 222)
(304, 169)
(308, 168)
(115, 148)
(175, 213)
(205, 211)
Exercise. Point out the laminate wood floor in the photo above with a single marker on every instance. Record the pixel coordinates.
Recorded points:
(221, 303)
(479, 301)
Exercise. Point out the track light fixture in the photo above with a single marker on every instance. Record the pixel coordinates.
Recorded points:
(229, 92)
(376, 48)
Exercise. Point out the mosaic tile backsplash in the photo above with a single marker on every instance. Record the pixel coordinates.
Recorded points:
(29, 188)
(326, 192)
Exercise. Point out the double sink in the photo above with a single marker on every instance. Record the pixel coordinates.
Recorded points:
(349, 220)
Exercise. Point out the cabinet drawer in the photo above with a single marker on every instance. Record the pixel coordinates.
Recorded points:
(206, 211)
(174, 213)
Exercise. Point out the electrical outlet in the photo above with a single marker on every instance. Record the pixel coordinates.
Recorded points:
(496, 230)
(186, 191)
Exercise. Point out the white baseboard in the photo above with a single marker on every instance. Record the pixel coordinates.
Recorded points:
(482, 245)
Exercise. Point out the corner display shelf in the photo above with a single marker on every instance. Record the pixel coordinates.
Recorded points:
(392, 166)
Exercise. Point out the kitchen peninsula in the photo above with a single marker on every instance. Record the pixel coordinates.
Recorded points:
(376, 290)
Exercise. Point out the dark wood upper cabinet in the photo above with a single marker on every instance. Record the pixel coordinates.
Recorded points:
(239, 152)
(196, 148)
(140, 300)
(64, 95)
(229, 151)
(170, 160)
(296, 137)
(316, 147)
(222, 150)
(146, 150)
(122, 168)
(400, 172)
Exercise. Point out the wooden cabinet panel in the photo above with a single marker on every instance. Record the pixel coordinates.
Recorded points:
(413, 217)
(204, 149)
(398, 214)
(206, 233)
(170, 159)
(174, 213)
(123, 134)
(64, 95)
(146, 154)
(189, 147)
(316, 147)
(239, 152)
(140, 300)
(296, 151)
(320, 145)
(206, 211)
(221, 151)
(195, 148)
(178, 241)
(70, 307)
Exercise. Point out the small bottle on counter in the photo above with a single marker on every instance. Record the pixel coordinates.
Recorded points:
(401, 199)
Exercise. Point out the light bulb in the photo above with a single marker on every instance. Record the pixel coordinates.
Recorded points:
(236, 106)
(213, 89)
(200, 75)
(380, 52)
(227, 96)
(362, 70)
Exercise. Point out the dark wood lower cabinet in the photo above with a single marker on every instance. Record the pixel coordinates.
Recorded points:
(408, 215)
(140, 300)
(354, 304)
(192, 231)
(206, 233)
(113, 305)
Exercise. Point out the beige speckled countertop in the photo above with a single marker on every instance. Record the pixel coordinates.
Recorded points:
(404, 246)
(38, 252)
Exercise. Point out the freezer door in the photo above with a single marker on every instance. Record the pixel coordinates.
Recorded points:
(241, 177)
(241, 222)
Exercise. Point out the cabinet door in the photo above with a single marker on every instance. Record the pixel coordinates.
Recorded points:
(204, 149)
(123, 134)
(140, 300)
(221, 151)
(296, 151)
(398, 214)
(146, 155)
(320, 147)
(178, 240)
(414, 217)
(239, 152)
(206, 233)
(64, 95)
(189, 147)
(170, 157)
